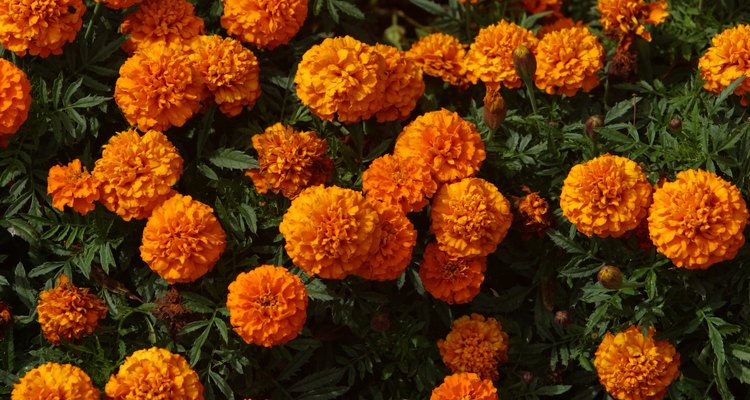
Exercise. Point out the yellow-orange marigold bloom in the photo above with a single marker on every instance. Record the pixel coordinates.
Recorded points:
(452, 280)
(449, 145)
(68, 312)
(727, 60)
(330, 232)
(490, 57)
(72, 186)
(442, 56)
(470, 218)
(404, 85)
(169, 21)
(403, 183)
(568, 60)
(289, 161)
(265, 24)
(154, 374)
(606, 196)
(136, 173)
(15, 98)
(159, 88)
(465, 385)
(182, 240)
(558, 25)
(39, 27)
(475, 344)
(698, 219)
(636, 367)
(397, 241)
(624, 19)
(55, 381)
(533, 213)
(342, 76)
(267, 306)
(118, 4)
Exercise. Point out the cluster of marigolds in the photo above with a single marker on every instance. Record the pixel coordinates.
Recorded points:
(331, 232)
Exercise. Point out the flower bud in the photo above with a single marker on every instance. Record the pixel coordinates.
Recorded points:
(494, 108)
(5, 317)
(380, 322)
(675, 124)
(525, 63)
(562, 318)
(610, 277)
(591, 124)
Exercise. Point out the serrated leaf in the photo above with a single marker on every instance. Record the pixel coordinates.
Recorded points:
(349, 9)
(728, 90)
(429, 6)
(717, 343)
(619, 109)
(90, 101)
(233, 159)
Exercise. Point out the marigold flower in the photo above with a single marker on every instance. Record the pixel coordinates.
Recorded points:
(72, 186)
(568, 60)
(452, 280)
(159, 88)
(532, 210)
(182, 240)
(450, 145)
(330, 231)
(490, 57)
(404, 85)
(39, 27)
(494, 110)
(265, 24)
(68, 312)
(465, 385)
(442, 56)
(154, 374)
(168, 21)
(475, 344)
(136, 173)
(289, 161)
(558, 25)
(118, 4)
(15, 98)
(397, 241)
(342, 76)
(540, 6)
(635, 367)
(470, 218)
(55, 381)
(727, 60)
(698, 219)
(402, 183)
(624, 19)
(267, 306)
(606, 196)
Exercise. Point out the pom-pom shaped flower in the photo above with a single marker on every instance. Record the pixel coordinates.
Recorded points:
(159, 88)
(72, 186)
(624, 19)
(490, 57)
(39, 27)
(402, 183)
(168, 21)
(15, 98)
(452, 280)
(533, 213)
(442, 56)
(118, 4)
(475, 344)
(230, 71)
(154, 374)
(568, 60)
(136, 173)
(330, 231)
(470, 218)
(698, 219)
(182, 240)
(68, 312)
(633, 366)
(55, 381)
(606, 196)
(397, 241)
(342, 76)
(289, 161)
(267, 306)
(448, 144)
(265, 24)
(727, 60)
(465, 385)
(404, 85)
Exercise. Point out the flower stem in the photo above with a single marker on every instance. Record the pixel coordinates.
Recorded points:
(532, 97)
(94, 17)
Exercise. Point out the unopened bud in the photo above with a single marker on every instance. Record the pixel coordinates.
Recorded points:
(562, 318)
(610, 277)
(525, 63)
(675, 124)
(380, 322)
(591, 124)
(494, 108)
(5, 316)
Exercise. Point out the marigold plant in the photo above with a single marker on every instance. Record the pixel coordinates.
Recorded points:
(168, 21)
(404, 183)
(465, 385)
(452, 280)
(490, 57)
(55, 381)
(39, 27)
(397, 241)
(68, 312)
(625, 19)
(568, 60)
(726, 60)
(265, 24)
(154, 373)
(441, 56)
(403, 87)
(72, 185)
(475, 344)
(15, 99)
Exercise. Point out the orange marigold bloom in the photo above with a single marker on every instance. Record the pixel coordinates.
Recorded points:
(475, 344)
(72, 186)
(465, 385)
(15, 98)
(404, 85)
(118, 4)
(68, 312)
(606, 196)
(442, 56)
(540, 6)
(624, 19)
(452, 280)
(490, 57)
(169, 21)
(470, 218)
(450, 145)
(330, 231)
(558, 25)
(136, 173)
(568, 60)
(533, 213)
(39, 27)
(55, 381)
(154, 374)
(267, 306)
(636, 367)
(182, 240)
(727, 60)
(342, 76)
(159, 88)
(403, 183)
(265, 24)
(698, 220)
(397, 241)
(289, 161)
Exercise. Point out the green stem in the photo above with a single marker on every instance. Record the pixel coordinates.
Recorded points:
(94, 17)
(532, 97)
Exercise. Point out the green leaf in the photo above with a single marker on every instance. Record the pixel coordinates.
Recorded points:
(90, 101)
(552, 390)
(619, 109)
(729, 90)
(23, 288)
(19, 227)
(349, 9)
(564, 243)
(429, 6)
(233, 159)
(717, 343)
